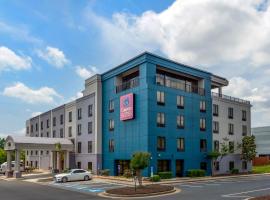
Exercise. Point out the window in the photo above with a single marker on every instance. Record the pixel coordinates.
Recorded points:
(203, 145)
(27, 130)
(79, 165)
(54, 133)
(90, 147)
(48, 135)
(90, 166)
(79, 113)
(61, 133)
(36, 126)
(215, 110)
(230, 113)
(202, 106)
(231, 129)
(202, 124)
(160, 98)
(61, 119)
(180, 102)
(48, 123)
(203, 166)
(111, 125)
(79, 129)
(244, 130)
(70, 116)
(180, 121)
(216, 145)
(47, 152)
(79, 147)
(244, 115)
(215, 127)
(41, 134)
(231, 165)
(161, 143)
(111, 145)
(90, 127)
(54, 121)
(31, 153)
(41, 153)
(244, 165)
(41, 125)
(160, 120)
(36, 152)
(32, 128)
(111, 106)
(27, 153)
(180, 144)
(70, 131)
(231, 147)
(90, 110)
(216, 164)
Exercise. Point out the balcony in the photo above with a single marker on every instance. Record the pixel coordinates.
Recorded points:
(132, 83)
(178, 84)
(222, 96)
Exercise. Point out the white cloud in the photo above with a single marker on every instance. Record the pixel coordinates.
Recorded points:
(78, 95)
(20, 132)
(34, 114)
(9, 60)
(85, 73)
(44, 95)
(53, 56)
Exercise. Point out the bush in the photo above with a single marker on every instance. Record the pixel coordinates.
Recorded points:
(235, 171)
(196, 173)
(155, 178)
(127, 173)
(165, 175)
(105, 172)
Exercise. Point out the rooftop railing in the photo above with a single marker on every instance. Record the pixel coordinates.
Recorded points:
(230, 98)
(178, 84)
(128, 85)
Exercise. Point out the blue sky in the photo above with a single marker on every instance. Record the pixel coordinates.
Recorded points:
(48, 48)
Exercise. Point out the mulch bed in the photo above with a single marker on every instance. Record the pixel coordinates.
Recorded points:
(148, 189)
(262, 198)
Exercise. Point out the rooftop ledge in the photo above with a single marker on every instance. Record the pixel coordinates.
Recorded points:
(230, 98)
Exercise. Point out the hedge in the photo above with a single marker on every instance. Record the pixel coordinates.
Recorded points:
(196, 173)
(155, 178)
(165, 175)
(235, 171)
(105, 172)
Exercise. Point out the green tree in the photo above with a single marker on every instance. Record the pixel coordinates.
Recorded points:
(2, 143)
(139, 161)
(3, 156)
(248, 148)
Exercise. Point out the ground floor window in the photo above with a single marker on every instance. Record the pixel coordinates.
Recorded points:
(90, 165)
(216, 164)
(79, 165)
(203, 166)
(164, 165)
(231, 165)
(244, 165)
(36, 164)
(179, 168)
(121, 166)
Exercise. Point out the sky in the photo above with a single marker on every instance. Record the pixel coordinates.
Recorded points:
(48, 48)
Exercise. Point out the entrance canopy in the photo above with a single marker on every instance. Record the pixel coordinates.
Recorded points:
(24, 143)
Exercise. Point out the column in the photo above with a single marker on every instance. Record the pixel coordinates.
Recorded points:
(220, 91)
(51, 160)
(17, 172)
(58, 162)
(67, 160)
(8, 172)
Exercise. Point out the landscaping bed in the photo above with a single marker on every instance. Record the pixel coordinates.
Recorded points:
(261, 198)
(146, 190)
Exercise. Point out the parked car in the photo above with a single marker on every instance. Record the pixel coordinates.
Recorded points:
(3, 167)
(73, 175)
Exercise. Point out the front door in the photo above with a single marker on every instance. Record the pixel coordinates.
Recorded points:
(121, 166)
(179, 168)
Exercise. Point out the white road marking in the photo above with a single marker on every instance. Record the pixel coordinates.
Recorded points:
(240, 194)
(195, 186)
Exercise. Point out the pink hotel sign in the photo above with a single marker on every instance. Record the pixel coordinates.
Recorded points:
(127, 107)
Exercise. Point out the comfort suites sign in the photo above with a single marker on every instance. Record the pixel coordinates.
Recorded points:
(127, 107)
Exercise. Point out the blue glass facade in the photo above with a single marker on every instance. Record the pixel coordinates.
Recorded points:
(141, 133)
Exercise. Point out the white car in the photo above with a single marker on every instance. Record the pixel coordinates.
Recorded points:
(3, 167)
(73, 175)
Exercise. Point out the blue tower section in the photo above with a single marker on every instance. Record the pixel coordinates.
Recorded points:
(139, 76)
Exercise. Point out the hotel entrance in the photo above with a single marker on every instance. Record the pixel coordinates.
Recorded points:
(121, 166)
(179, 168)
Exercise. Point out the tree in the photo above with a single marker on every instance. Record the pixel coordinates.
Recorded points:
(139, 161)
(3, 156)
(248, 148)
(2, 143)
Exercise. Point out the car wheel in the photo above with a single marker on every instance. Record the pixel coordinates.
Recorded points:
(86, 178)
(64, 179)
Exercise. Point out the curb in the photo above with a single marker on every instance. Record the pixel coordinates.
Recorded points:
(156, 194)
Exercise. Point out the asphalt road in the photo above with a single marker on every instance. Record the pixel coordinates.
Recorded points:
(230, 188)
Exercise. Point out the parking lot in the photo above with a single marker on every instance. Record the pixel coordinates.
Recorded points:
(92, 186)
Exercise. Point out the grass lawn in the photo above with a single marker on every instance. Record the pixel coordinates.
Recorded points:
(261, 169)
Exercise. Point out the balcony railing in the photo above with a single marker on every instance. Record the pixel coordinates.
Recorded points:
(128, 85)
(178, 84)
(222, 96)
